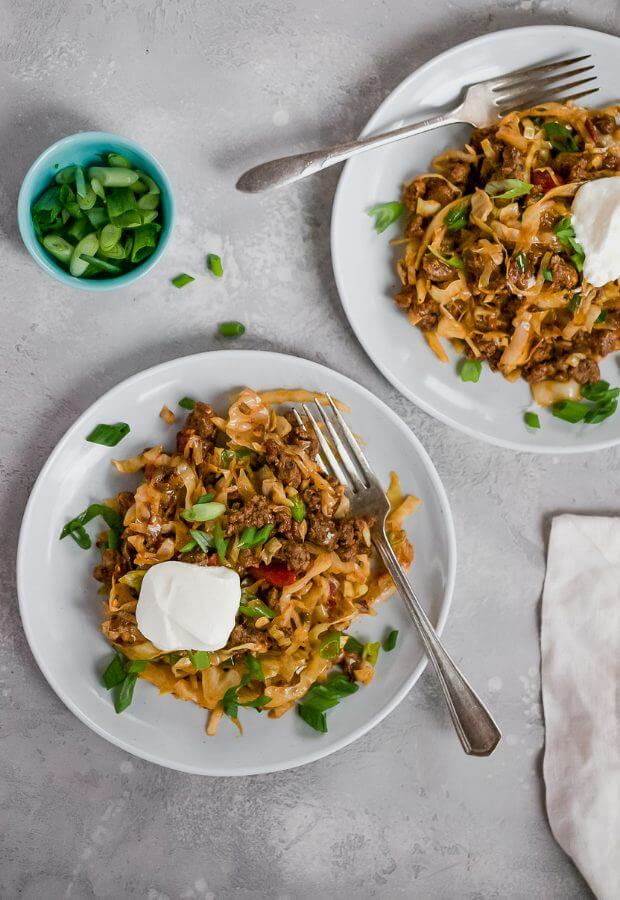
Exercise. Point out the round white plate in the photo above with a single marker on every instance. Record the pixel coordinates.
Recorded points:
(61, 609)
(363, 261)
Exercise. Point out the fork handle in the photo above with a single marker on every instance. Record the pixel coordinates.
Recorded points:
(287, 169)
(474, 725)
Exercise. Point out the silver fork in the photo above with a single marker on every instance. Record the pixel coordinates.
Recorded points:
(474, 725)
(483, 104)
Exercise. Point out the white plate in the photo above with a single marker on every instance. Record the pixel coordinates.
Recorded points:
(363, 261)
(61, 609)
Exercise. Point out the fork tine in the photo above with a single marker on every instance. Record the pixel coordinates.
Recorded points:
(530, 83)
(301, 422)
(324, 445)
(519, 74)
(528, 97)
(347, 462)
(576, 96)
(353, 444)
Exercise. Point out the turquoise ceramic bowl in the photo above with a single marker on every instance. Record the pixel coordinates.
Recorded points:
(83, 149)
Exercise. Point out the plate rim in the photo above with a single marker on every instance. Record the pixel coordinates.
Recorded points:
(315, 753)
(338, 202)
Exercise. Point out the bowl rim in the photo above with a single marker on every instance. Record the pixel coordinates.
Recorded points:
(35, 249)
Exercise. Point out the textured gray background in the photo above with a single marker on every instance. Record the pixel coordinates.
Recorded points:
(212, 87)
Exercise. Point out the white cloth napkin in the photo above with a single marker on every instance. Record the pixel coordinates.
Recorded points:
(580, 648)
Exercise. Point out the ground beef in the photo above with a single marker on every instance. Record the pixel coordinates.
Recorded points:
(415, 226)
(412, 191)
(478, 135)
(125, 501)
(282, 463)
(294, 556)
(322, 530)
(520, 277)
(301, 436)
(487, 349)
(429, 311)
(436, 269)
(350, 541)
(249, 557)
(312, 499)
(513, 163)
(611, 160)
(439, 190)
(604, 123)
(564, 274)
(254, 514)
(541, 353)
(586, 371)
(406, 297)
(457, 172)
(200, 558)
(246, 634)
(573, 166)
(475, 264)
(533, 373)
(112, 564)
(199, 420)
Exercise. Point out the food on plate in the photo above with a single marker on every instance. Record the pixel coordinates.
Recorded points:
(510, 251)
(234, 570)
(99, 221)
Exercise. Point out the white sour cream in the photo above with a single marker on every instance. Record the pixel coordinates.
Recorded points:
(596, 220)
(187, 607)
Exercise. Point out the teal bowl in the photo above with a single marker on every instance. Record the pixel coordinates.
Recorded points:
(83, 149)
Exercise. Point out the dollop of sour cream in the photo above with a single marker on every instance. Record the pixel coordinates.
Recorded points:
(596, 220)
(187, 607)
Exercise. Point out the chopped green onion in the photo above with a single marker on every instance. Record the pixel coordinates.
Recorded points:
(88, 246)
(66, 175)
(257, 610)
(118, 162)
(144, 241)
(390, 642)
(330, 645)
(601, 317)
(101, 264)
(114, 673)
(186, 548)
(200, 659)
(183, 279)
(251, 537)
(560, 138)
(203, 512)
(75, 527)
(521, 261)
(254, 667)
(385, 214)
(596, 391)
(257, 703)
(226, 457)
(531, 420)
(600, 412)
(58, 247)
(470, 370)
(125, 695)
(353, 646)
(187, 403)
(298, 509)
(201, 539)
(110, 236)
(135, 666)
(230, 702)
(214, 263)
(371, 653)
(454, 261)
(547, 274)
(231, 329)
(108, 435)
(507, 188)
(113, 176)
(322, 697)
(205, 498)
(570, 410)
(574, 302)
(457, 217)
(313, 716)
(219, 541)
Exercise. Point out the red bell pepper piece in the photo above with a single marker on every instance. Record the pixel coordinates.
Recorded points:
(544, 179)
(275, 573)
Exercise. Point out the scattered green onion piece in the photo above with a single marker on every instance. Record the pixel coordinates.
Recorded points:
(125, 695)
(144, 241)
(574, 302)
(187, 403)
(186, 548)
(135, 666)
(531, 420)
(371, 653)
(385, 214)
(75, 527)
(114, 673)
(226, 457)
(133, 578)
(200, 659)
(298, 509)
(570, 410)
(470, 370)
(520, 261)
(390, 641)
(322, 697)
(181, 280)
(454, 261)
(354, 646)
(457, 217)
(219, 541)
(601, 317)
(230, 702)
(560, 138)
(254, 667)
(257, 610)
(201, 539)
(108, 435)
(257, 703)
(596, 391)
(507, 188)
(600, 412)
(313, 717)
(231, 329)
(203, 512)
(330, 645)
(214, 264)
(205, 498)
(547, 274)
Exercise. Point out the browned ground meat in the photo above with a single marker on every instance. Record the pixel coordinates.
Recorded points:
(415, 226)
(479, 134)
(200, 558)
(564, 274)
(282, 463)
(125, 501)
(475, 263)
(301, 436)
(611, 160)
(322, 530)
(246, 634)
(573, 166)
(350, 540)
(254, 514)
(294, 556)
(586, 372)
(489, 349)
(406, 297)
(520, 277)
(112, 563)
(436, 269)
(199, 420)
(536, 372)
(513, 163)
(605, 123)
(457, 172)
(437, 189)
(411, 193)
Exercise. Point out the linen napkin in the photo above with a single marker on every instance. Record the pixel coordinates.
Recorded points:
(580, 650)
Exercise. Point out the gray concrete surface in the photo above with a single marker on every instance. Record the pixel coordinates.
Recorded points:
(211, 87)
